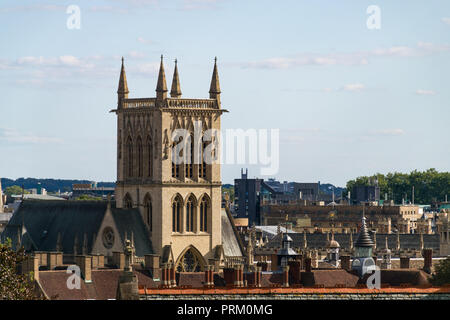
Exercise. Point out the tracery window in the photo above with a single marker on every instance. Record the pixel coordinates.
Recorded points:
(191, 261)
(129, 148)
(177, 206)
(127, 202)
(148, 212)
(150, 157)
(204, 209)
(190, 214)
(140, 157)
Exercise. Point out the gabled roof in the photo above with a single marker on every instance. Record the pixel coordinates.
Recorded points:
(45, 219)
(73, 222)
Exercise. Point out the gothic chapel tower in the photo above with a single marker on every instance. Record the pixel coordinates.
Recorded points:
(180, 203)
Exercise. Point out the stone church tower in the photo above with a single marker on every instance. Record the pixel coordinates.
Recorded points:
(180, 203)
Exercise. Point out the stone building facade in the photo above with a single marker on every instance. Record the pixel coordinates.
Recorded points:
(179, 202)
(345, 218)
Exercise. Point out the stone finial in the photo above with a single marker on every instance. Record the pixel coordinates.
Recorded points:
(214, 89)
(175, 92)
(351, 240)
(421, 241)
(128, 255)
(161, 87)
(122, 90)
(305, 242)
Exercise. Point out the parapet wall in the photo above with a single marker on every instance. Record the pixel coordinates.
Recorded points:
(393, 293)
(326, 296)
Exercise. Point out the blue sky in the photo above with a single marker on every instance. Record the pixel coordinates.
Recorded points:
(348, 100)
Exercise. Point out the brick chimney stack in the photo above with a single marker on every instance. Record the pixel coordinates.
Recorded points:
(308, 264)
(404, 262)
(152, 264)
(345, 263)
(228, 276)
(85, 264)
(173, 282)
(294, 271)
(209, 277)
(428, 260)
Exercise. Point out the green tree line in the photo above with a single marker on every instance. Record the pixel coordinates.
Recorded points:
(429, 185)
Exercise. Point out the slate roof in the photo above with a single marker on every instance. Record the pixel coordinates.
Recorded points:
(319, 240)
(329, 278)
(232, 246)
(103, 286)
(45, 219)
(130, 220)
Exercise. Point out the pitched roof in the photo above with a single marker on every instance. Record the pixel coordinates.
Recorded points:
(74, 221)
(130, 221)
(103, 286)
(319, 240)
(230, 239)
(45, 219)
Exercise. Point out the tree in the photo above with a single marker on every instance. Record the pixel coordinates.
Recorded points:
(230, 192)
(87, 197)
(16, 190)
(14, 286)
(429, 185)
(441, 274)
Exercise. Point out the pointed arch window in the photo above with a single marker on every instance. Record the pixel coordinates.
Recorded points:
(127, 201)
(119, 148)
(190, 261)
(175, 166)
(177, 206)
(202, 167)
(190, 214)
(140, 157)
(204, 209)
(150, 157)
(189, 159)
(129, 148)
(148, 212)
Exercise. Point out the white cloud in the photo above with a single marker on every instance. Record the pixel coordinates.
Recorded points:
(388, 132)
(423, 92)
(353, 87)
(14, 136)
(144, 41)
(446, 20)
(67, 61)
(108, 9)
(136, 54)
(199, 4)
(28, 8)
(146, 68)
(305, 60)
(347, 59)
